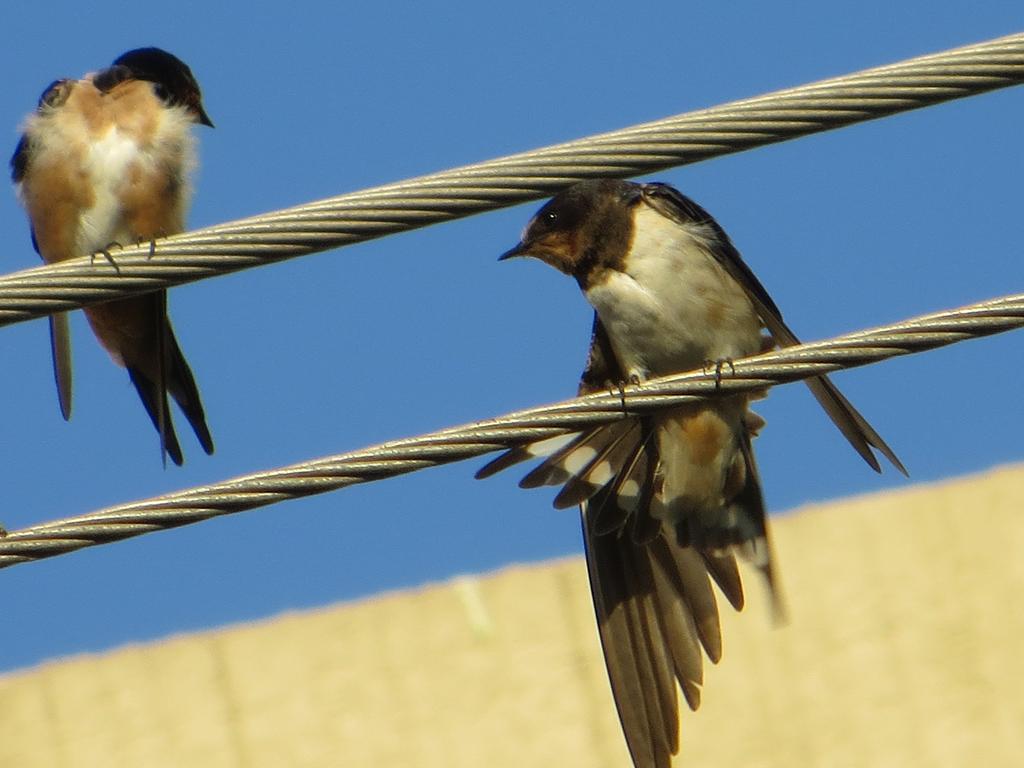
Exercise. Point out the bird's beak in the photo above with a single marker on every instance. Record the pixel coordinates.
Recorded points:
(204, 119)
(519, 250)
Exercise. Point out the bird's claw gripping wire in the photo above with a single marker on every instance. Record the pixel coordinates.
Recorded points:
(718, 365)
(105, 253)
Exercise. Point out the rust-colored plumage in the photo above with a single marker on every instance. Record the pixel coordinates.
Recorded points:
(104, 160)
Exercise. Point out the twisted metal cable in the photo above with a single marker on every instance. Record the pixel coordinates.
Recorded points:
(398, 457)
(383, 210)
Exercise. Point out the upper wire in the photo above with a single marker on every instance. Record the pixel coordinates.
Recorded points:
(371, 213)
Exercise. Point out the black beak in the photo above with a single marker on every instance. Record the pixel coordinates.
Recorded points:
(519, 250)
(204, 119)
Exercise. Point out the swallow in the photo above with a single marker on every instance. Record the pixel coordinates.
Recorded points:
(668, 500)
(104, 160)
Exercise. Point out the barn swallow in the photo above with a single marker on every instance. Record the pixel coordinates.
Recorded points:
(104, 160)
(669, 499)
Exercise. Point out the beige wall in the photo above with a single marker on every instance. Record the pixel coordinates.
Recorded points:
(905, 647)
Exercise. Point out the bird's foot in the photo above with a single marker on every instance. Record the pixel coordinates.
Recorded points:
(717, 366)
(620, 388)
(105, 253)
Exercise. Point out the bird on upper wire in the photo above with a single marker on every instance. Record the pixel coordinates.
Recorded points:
(670, 499)
(103, 161)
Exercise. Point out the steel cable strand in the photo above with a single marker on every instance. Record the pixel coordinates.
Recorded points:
(371, 213)
(407, 455)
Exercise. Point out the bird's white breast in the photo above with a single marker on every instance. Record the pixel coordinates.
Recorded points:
(672, 306)
(108, 162)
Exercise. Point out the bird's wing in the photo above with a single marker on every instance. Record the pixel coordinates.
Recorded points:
(862, 436)
(53, 96)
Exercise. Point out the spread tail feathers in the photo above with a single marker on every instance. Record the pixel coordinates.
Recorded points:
(651, 563)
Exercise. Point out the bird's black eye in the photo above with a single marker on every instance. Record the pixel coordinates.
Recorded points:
(560, 214)
(548, 220)
(161, 92)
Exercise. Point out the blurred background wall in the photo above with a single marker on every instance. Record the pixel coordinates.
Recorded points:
(902, 649)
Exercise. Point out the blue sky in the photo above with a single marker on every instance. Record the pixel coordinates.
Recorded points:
(333, 352)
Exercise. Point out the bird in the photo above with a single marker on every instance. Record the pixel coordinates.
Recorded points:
(669, 500)
(104, 160)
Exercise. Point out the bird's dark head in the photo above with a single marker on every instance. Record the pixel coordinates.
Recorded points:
(172, 79)
(582, 227)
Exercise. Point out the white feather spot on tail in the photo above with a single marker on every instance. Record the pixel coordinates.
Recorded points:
(601, 474)
(629, 495)
(578, 459)
(551, 444)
